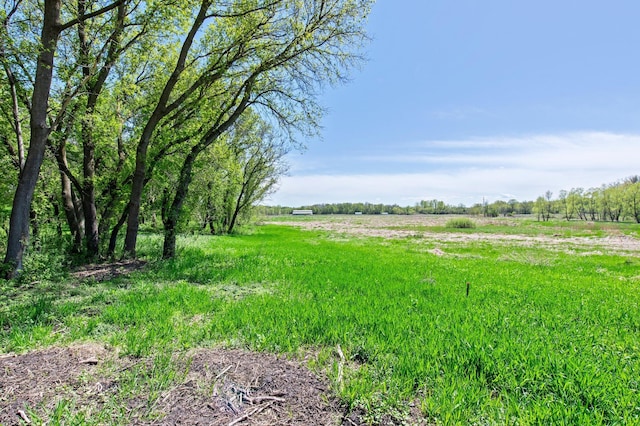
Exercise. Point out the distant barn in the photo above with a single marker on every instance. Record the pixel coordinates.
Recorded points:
(302, 212)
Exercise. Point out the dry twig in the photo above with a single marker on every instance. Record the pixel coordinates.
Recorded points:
(24, 417)
(351, 421)
(340, 365)
(251, 413)
(259, 399)
(222, 373)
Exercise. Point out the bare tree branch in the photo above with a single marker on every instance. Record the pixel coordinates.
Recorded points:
(87, 16)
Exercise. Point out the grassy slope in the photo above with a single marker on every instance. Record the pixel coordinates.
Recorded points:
(544, 337)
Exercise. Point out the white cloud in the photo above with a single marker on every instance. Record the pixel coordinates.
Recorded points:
(549, 152)
(468, 170)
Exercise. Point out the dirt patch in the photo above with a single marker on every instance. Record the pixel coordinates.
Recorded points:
(32, 379)
(224, 387)
(214, 387)
(107, 271)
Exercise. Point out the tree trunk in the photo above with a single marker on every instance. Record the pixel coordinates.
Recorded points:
(133, 222)
(19, 223)
(114, 232)
(94, 88)
(111, 192)
(69, 204)
(172, 214)
(236, 209)
(88, 194)
(17, 156)
(91, 218)
(15, 111)
(169, 245)
(77, 205)
(160, 111)
(70, 213)
(209, 216)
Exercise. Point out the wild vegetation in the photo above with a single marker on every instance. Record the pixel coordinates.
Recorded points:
(613, 202)
(515, 321)
(111, 111)
(149, 130)
(461, 223)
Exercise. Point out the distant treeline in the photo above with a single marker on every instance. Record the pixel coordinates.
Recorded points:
(613, 202)
(496, 208)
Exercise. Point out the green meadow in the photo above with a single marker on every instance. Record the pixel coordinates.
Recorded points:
(477, 331)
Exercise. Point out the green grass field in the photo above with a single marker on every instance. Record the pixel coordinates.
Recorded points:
(546, 335)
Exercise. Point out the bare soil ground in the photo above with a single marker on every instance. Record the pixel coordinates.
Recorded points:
(107, 271)
(217, 387)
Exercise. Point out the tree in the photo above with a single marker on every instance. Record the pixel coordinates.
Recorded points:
(591, 201)
(236, 173)
(51, 28)
(538, 208)
(615, 201)
(632, 198)
(577, 195)
(259, 155)
(567, 204)
(543, 206)
(502, 207)
(268, 56)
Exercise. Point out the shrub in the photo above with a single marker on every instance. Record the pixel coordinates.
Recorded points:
(461, 223)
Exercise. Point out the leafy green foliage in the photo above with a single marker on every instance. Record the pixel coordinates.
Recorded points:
(134, 92)
(461, 223)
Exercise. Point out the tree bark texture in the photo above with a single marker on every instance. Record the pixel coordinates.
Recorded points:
(172, 214)
(114, 232)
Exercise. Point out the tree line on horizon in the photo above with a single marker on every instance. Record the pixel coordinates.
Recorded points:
(423, 207)
(612, 202)
(115, 114)
(609, 202)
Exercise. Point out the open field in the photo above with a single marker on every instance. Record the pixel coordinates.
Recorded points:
(546, 332)
(561, 235)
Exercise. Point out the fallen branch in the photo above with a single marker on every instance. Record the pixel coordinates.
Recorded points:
(259, 399)
(247, 415)
(222, 373)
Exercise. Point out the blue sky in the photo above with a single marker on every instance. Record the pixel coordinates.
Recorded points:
(462, 100)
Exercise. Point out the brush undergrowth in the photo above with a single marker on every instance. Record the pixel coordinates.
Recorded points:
(542, 337)
(460, 223)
